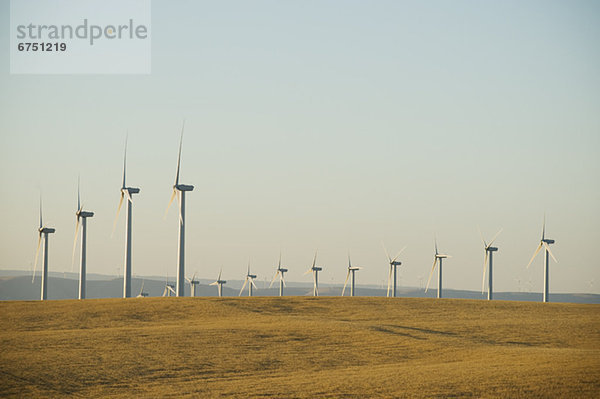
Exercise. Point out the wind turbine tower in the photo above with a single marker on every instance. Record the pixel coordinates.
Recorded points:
(487, 263)
(280, 272)
(394, 263)
(315, 271)
(126, 192)
(351, 270)
(545, 243)
(438, 258)
(43, 231)
(81, 217)
(179, 190)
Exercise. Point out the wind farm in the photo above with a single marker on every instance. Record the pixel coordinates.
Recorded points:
(283, 169)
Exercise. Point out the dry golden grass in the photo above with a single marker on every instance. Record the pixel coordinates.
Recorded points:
(298, 347)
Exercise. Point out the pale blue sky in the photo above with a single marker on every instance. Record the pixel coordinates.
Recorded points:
(330, 124)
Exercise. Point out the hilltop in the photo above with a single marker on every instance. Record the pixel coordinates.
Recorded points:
(298, 348)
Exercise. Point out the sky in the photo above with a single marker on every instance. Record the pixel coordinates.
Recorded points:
(329, 125)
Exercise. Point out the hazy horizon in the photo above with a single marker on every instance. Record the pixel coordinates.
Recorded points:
(330, 125)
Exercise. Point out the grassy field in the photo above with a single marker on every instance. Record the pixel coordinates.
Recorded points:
(298, 347)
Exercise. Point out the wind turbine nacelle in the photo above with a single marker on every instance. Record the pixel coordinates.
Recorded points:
(317, 269)
(283, 270)
(354, 268)
(133, 190)
(86, 214)
(183, 187)
(222, 282)
(47, 230)
(396, 263)
(440, 256)
(548, 241)
(252, 275)
(492, 249)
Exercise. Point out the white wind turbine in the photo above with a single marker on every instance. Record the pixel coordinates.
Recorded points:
(43, 231)
(489, 253)
(81, 216)
(351, 270)
(249, 279)
(393, 266)
(545, 243)
(126, 192)
(438, 258)
(315, 272)
(280, 272)
(193, 283)
(142, 294)
(219, 283)
(179, 190)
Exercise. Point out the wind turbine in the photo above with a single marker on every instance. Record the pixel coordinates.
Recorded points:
(544, 243)
(43, 231)
(82, 216)
(193, 283)
(249, 278)
(126, 192)
(315, 271)
(219, 283)
(142, 294)
(280, 272)
(489, 253)
(179, 190)
(393, 266)
(351, 269)
(438, 258)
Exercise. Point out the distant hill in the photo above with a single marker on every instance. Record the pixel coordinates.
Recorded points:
(15, 286)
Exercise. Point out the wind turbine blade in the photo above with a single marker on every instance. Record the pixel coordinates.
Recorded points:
(128, 194)
(484, 271)
(389, 280)
(252, 282)
(78, 196)
(283, 280)
(243, 286)
(346, 282)
(179, 203)
(75, 242)
(535, 254)
(386, 252)
(279, 264)
(125, 160)
(496, 236)
(435, 243)
(550, 252)
(37, 253)
(544, 227)
(315, 259)
(308, 271)
(274, 277)
(41, 223)
(117, 217)
(349, 262)
(215, 283)
(170, 202)
(482, 239)
(220, 271)
(398, 254)
(431, 274)
(179, 156)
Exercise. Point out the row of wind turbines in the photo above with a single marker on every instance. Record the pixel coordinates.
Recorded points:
(179, 190)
